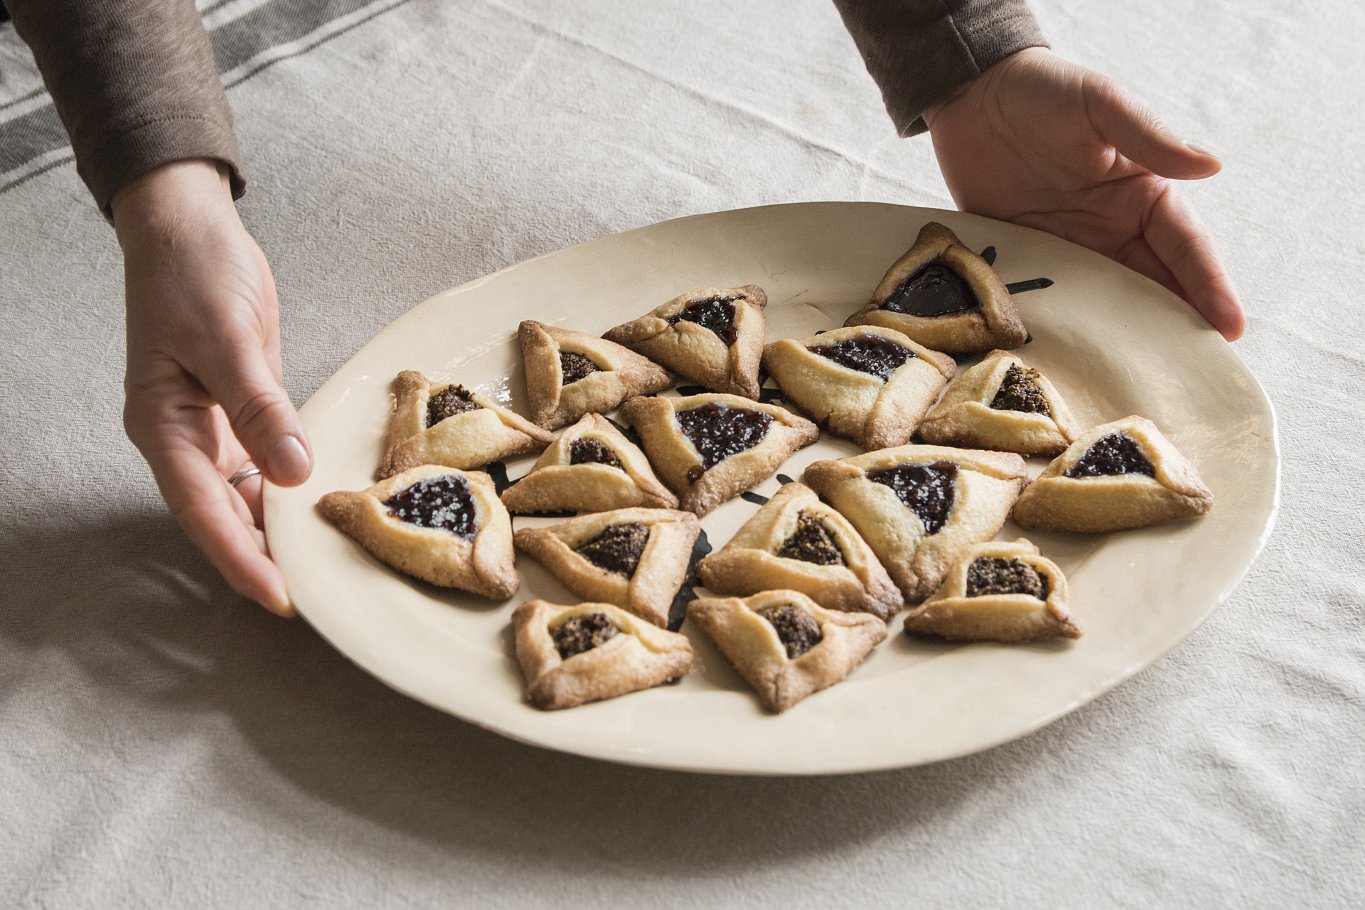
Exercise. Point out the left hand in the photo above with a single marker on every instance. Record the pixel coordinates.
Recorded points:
(1045, 143)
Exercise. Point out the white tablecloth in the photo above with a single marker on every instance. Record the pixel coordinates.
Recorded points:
(163, 743)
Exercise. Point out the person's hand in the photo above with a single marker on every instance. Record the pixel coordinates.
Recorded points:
(1048, 144)
(203, 380)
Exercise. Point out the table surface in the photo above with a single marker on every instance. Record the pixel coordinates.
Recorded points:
(164, 743)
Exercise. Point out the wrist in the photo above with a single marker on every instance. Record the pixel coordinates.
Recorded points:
(996, 70)
(170, 195)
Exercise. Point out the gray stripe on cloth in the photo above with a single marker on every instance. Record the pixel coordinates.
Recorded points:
(242, 47)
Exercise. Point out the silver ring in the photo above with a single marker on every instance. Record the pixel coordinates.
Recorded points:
(245, 472)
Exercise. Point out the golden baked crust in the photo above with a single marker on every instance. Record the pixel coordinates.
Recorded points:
(1115, 502)
(873, 411)
(620, 374)
(482, 565)
(852, 582)
(649, 590)
(678, 461)
(639, 656)
(468, 440)
(917, 552)
(692, 350)
(996, 324)
(753, 645)
(954, 614)
(556, 484)
(966, 417)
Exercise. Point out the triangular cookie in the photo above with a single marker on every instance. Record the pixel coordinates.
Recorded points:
(592, 467)
(998, 591)
(945, 297)
(571, 655)
(569, 374)
(447, 424)
(867, 383)
(1119, 475)
(634, 558)
(1004, 404)
(710, 448)
(434, 523)
(797, 542)
(785, 645)
(921, 507)
(713, 336)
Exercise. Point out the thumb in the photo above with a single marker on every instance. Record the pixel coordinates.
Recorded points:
(260, 412)
(1140, 136)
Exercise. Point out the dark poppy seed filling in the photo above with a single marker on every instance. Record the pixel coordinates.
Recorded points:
(989, 575)
(444, 503)
(870, 354)
(934, 290)
(582, 633)
(928, 490)
(811, 542)
(716, 314)
(1019, 391)
(452, 400)
(796, 628)
(719, 431)
(573, 367)
(1116, 453)
(617, 549)
(590, 451)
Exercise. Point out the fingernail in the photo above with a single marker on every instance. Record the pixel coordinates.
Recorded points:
(288, 462)
(1200, 150)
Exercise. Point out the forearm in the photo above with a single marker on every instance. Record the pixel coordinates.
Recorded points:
(921, 51)
(134, 83)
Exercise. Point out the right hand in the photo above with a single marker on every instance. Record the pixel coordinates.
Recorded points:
(203, 393)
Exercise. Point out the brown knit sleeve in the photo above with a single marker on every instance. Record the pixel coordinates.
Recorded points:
(921, 51)
(135, 85)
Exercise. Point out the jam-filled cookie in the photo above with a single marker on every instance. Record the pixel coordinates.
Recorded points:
(945, 297)
(571, 655)
(441, 525)
(1124, 474)
(710, 448)
(713, 336)
(921, 507)
(569, 374)
(634, 558)
(1002, 403)
(447, 424)
(797, 542)
(998, 591)
(785, 645)
(868, 383)
(592, 467)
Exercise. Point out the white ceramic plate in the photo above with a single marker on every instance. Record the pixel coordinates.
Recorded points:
(1113, 342)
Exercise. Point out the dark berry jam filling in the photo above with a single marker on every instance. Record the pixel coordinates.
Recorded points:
(934, 290)
(591, 451)
(444, 503)
(716, 314)
(719, 431)
(870, 354)
(1116, 453)
(927, 490)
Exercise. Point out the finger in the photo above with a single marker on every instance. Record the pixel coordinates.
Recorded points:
(263, 418)
(202, 502)
(1140, 136)
(1184, 245)
(249, 495)
(1140, 257)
